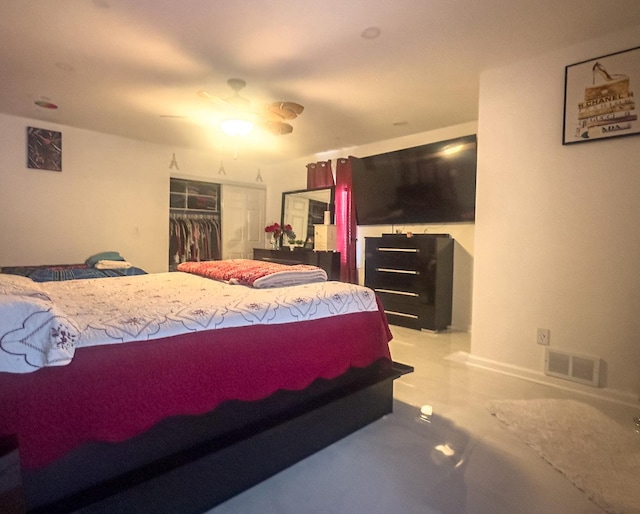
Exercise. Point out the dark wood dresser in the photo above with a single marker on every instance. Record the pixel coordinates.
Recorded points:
(328, 261)
(413, 277)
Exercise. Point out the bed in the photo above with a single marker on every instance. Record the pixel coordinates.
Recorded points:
(49, 273)
(100, 265)
(188, 401)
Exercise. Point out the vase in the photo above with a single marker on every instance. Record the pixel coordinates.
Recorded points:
(275, 243)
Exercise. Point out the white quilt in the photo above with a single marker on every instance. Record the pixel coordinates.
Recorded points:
(33, 334)
(123, 309)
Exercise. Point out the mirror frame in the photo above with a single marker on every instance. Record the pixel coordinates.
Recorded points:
(332, 203)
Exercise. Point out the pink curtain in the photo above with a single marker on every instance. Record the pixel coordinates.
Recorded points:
(346, 221)
(319, 174)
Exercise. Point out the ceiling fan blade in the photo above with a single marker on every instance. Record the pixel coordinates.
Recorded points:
(235, 102)
(203, 94)
(277, 128)
(285, 110)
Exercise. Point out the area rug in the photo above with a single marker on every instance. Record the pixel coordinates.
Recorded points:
(599, 456)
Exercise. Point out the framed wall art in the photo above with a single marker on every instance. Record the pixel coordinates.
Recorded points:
(599, 97)
(44, 149)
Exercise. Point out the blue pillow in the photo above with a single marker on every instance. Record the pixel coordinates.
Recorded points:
(103, 256)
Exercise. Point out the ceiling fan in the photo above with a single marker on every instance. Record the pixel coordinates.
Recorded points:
(272, 117)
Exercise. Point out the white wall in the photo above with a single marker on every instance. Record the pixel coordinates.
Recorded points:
(557, 239)
(463, 233)
(112, 194)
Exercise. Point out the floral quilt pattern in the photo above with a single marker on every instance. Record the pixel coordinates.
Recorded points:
(123, 309)
(34, 334)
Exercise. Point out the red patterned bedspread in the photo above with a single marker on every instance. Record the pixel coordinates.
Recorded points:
(258, 274)
(112, 393)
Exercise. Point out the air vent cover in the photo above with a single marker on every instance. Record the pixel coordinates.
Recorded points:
(577, 368)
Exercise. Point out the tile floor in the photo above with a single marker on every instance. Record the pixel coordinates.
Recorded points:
(459, 460)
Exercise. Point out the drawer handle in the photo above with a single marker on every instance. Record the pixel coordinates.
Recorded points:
(403, 314)
(391, 291)
(403, 250)
(403, 271)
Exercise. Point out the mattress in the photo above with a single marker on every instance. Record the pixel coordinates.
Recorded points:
(69, 272)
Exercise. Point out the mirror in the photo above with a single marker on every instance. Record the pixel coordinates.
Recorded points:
(305, 208)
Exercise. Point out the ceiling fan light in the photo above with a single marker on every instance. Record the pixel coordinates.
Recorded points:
(236, 127)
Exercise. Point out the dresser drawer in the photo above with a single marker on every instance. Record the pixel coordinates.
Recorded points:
(407, 259)
(377, 278)
(400, 302)
(403, 320)
(403, 309)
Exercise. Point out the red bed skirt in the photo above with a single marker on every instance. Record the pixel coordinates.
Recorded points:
(112, 393)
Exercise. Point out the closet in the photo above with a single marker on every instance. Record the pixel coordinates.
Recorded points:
(194, 222)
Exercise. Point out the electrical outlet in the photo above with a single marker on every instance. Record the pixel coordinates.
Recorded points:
(543, 336)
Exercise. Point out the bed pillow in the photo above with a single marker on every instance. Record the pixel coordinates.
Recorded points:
(104, 256)
(34, 334)
(111, 264)
(18, 285)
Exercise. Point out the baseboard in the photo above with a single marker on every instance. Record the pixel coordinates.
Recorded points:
(460, 328)
(603, 393)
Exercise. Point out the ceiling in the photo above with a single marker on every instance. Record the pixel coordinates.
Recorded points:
(134, 68)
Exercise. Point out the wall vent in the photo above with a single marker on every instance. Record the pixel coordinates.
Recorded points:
(570, 366)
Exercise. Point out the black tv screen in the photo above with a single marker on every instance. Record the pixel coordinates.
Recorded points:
(434, 183)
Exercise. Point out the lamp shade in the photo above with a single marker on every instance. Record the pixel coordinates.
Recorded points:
(236, 127)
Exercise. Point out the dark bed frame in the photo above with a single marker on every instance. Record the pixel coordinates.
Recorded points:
(191, 464)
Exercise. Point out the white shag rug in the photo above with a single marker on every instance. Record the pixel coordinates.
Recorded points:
(599, 456)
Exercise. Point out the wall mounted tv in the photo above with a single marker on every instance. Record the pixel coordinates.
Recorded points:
(434, 183)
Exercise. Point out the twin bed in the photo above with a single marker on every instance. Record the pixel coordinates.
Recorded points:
(100, 265)
(172, 392)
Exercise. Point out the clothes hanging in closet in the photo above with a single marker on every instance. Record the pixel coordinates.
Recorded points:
(193, 237)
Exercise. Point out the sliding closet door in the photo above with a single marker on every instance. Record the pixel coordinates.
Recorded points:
(243, 220)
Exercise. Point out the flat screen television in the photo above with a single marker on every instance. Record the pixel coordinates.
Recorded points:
(434, 183)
